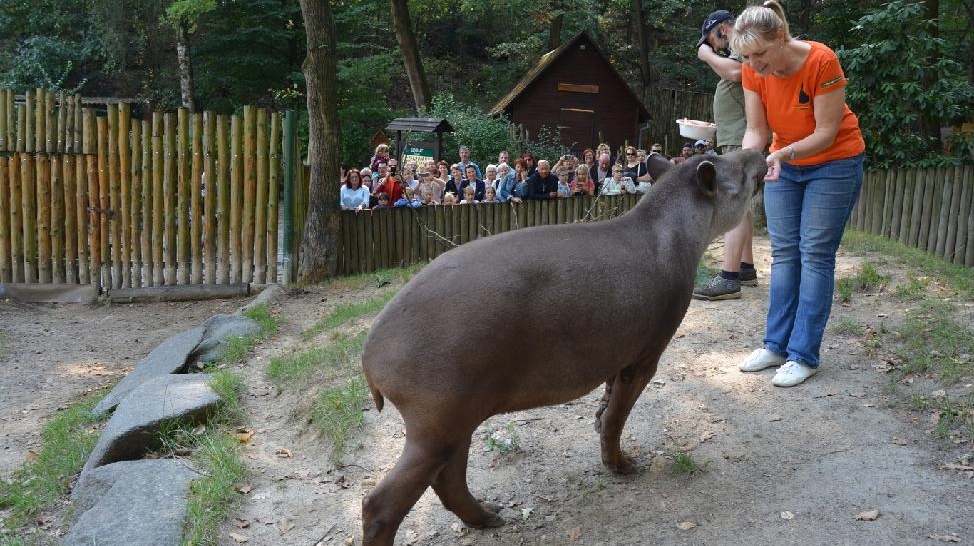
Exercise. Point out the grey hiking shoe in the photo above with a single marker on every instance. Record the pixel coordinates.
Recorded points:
(749, 277)
(718, 288)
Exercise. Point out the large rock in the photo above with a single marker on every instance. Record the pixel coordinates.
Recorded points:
(218, 329)
(132, 503)
(134, 426)
(168, 358)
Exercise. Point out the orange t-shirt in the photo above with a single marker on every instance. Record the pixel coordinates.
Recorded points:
(789, 105)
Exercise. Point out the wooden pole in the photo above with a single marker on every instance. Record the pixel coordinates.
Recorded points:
(11, 109)
(290, 183)
(29, 206)
(5, 269)
(963, 212)
(929, 188)
(62, 122)
(148, 189)
(23, 121)
(945, 196)
(81, 201)
(104, 204)
(260, 207)
(968, 177)
(186, 292)
(209, 197)
(45, 218)
(158, 207)
(273, 187)
(56, 220)
(916, 208)
(5, 123)
(222, 194)
(71, 206)
(937, 192)
(169, 196)
(195, 204)
(78, 134)
(249, 194)
(236, 196)
(125, 239)
(114, 193)
(30, 128)
(50, 123)
(135, 206)
(182, 196)
(16, 224)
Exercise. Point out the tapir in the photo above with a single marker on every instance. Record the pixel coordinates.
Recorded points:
(622, 285)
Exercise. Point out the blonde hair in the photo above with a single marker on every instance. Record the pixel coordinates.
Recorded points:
(758, 25)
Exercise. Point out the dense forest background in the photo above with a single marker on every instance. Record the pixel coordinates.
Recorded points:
(910, 64)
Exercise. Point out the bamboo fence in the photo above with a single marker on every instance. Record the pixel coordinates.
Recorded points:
(181, 198)
(184, 198)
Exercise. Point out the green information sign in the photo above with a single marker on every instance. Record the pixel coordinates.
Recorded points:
(419, 152)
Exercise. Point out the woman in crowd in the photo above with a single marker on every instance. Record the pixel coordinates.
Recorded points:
(531, 162)
(505, 182)
(588, 157)
(353, 195)
(381, 156)
(582, 184)
(794, 90)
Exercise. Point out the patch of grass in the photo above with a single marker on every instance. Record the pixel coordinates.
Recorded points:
(683, 463)
(344, 354)
(212, 497)
(67, 440)
(3, 346)
(868, 278)
(378, 279)
(932, 341)
(338, 411)
(261, 314)
(347, 312)
(915, 289)
(847, 327)
(960, 277)
(504, 440)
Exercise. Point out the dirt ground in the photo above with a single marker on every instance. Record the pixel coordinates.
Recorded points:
(802, 466)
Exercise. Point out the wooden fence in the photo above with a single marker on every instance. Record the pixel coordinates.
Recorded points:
(119, 202)
(669, 105)
(396, 237)
(928, 209)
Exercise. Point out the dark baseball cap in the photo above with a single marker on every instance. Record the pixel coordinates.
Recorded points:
(711, 22)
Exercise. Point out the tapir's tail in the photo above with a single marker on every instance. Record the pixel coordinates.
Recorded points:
(377, 397)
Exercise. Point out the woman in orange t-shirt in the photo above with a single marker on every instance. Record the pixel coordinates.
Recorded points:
(795, 90)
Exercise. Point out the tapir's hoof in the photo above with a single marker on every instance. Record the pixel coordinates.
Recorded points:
(489, 517)
(621, 465)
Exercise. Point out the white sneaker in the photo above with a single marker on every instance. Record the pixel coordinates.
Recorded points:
(791, 374)
(761, 359)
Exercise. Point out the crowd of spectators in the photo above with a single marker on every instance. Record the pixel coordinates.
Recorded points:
(384, 184)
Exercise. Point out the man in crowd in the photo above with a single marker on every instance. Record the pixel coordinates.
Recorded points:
(542, 184)
(472, 179)
(466, 162)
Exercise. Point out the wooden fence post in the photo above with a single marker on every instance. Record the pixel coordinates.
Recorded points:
(124, 219)
(290, 137)
(223, 199)
(210, 199)
(135, 207)
(273, 185)
(236, 197)
(181, 155)
(249, 181)
(16, 224)
(260, 200)
(195, 195)
(5, 270)
(28, 185)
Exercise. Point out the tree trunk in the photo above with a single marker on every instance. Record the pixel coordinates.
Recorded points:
(639, 20)
(554, 31)
(185, 67)
(319, 249)
(410, 55)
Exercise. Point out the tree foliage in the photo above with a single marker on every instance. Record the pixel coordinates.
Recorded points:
(903, 74)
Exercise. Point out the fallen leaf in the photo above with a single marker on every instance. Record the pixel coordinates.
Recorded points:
(526, 513)
(241, 523)
(284, 453)
(899, 441)
(686, 525)
(244, 436)
(945, 538)
(31, 456)
(239, 538)
(787, 515)
(868, 515)
(245, 488)
(574, 534)
(707, 435)
(285, 525)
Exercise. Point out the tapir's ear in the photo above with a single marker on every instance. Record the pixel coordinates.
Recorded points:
(656, 164)
(707, 178)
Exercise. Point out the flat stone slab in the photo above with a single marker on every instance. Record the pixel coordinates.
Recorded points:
(134, 426)
(167, 358)
(218, 329)
(132, 503)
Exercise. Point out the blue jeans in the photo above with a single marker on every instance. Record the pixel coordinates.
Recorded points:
(807, 210)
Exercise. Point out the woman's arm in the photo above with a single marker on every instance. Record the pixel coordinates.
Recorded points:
(756, 134)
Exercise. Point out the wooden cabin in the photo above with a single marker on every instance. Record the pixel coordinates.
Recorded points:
(576, 89)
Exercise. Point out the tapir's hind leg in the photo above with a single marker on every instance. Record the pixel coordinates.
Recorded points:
(384, 508)
(620, 396)
(451, 486)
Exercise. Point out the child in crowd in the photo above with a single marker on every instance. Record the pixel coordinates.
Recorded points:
(490, 195)
(469, 194)
(583, 181)
(449, 198)
(383, 200)
(564, 189)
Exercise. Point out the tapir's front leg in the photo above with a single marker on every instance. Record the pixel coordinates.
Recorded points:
(622, 394)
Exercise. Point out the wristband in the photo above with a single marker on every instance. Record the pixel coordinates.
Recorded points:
(791, 154)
